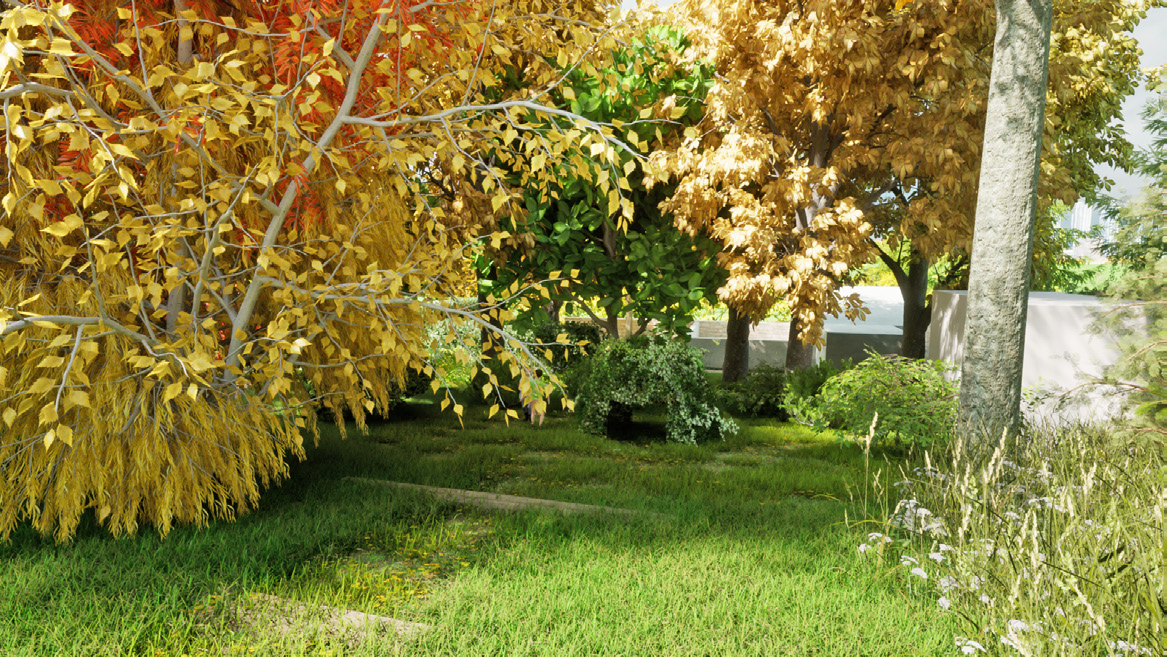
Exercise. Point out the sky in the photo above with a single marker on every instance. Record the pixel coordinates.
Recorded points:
(1152, 36)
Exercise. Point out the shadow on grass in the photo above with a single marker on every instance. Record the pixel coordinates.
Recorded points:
(757, 533)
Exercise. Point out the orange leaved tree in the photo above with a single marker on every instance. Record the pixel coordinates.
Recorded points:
(219, 215)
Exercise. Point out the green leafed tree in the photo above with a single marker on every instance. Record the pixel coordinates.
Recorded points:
(644, 267)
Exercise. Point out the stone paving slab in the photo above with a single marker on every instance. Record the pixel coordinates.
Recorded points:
(290, 616)
(501, 502)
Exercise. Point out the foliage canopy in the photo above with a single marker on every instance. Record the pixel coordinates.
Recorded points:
(212, 209)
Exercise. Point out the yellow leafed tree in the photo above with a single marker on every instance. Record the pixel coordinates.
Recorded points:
(835, 122)
(219, 216)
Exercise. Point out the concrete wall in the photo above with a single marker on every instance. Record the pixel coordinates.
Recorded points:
(1061, 351)
(767, 342)
(852, 341)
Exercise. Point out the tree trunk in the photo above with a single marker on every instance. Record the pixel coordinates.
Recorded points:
(737, 347)
(185, 46)
(799, 356)
(917, 311)
(611, 325)
(998, 295)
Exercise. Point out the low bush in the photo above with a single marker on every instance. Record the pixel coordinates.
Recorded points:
(760, 394)
(624, 375)
(915, 403)
(1052, 545)
(802, 389)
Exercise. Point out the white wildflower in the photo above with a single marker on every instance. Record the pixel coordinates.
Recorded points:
(944, 603)
(1017, 626)
(968, 646)
(920, 572)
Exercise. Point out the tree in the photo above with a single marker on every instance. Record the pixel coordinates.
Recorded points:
(644, 267)
(811, 104)
(218, 216)
(929, 214)
(1136, 238)
(1137, 244)
(998, 296)
(814, 152)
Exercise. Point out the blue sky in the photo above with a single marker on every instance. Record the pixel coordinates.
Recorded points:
(1152, 37)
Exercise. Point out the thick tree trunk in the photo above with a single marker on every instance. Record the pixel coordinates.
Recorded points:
(799, 356)
(998, 295)
(737, 347)
(917, 311)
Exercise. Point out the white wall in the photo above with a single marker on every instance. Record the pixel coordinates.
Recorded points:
(1062, 353)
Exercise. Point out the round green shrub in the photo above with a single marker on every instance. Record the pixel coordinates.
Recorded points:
(761, 394)
(624, 375)
(800, 396)
(916, 403)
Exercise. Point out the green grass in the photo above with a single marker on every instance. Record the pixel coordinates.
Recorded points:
(758, 561)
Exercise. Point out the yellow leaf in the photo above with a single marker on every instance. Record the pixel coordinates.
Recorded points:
(48, 414)
(77, 398)
(9, 416)
(42, 385)
(5, 236)
(173, 390)
(61, 47)
(65, 433)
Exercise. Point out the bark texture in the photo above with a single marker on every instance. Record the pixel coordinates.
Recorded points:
(737, 347)
(799, 356)
(998, 296)
(917, 310)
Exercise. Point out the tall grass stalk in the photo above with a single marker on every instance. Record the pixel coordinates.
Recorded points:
(1051, 545)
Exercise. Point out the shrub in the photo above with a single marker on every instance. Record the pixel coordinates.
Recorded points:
(1052, 545)
(802, 388)
(583, 338)
(624, 375)
(915, 402)
(760, 395)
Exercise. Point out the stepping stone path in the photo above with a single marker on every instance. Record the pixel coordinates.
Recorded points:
(500, 502)
(288, 617)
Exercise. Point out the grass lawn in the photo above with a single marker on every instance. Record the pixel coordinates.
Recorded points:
(757, 560)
